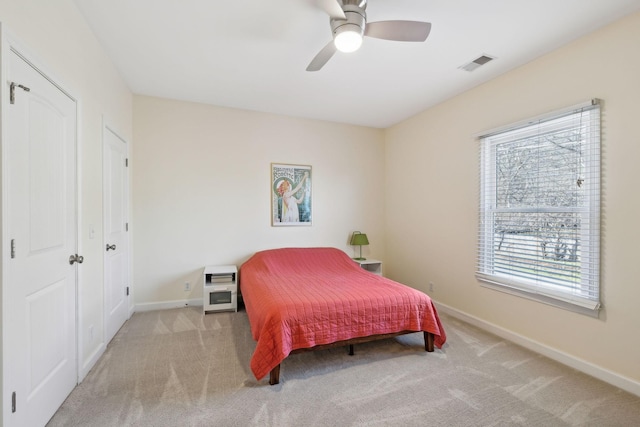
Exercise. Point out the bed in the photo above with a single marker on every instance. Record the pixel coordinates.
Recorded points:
(301, 299)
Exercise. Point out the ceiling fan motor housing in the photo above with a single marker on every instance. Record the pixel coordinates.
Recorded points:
(356, 18)
(362, 4)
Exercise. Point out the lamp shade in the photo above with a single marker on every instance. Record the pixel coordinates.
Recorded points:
(359, 239)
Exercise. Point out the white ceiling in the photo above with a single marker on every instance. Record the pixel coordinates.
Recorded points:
(252, 54)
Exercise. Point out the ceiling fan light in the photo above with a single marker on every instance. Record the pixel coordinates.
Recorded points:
(348, 38)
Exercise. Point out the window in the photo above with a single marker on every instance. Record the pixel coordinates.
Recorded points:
(540, 209)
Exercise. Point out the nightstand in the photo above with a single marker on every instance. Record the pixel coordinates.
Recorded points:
(220, 291)
(372, 265)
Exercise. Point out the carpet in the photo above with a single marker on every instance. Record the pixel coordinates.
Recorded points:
(180, 368)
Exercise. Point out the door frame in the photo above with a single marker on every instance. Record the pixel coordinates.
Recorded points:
(106, 126)
(10, 43)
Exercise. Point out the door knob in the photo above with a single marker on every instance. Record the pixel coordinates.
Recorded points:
(76, 258)
(112, 247)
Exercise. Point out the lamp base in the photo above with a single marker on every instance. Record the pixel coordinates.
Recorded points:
(360, 259)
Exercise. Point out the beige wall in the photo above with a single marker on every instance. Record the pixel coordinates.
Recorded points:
(432, 196)
(201, 190)
(55, 35)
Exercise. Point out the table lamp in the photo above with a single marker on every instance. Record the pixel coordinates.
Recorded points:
(359, 239)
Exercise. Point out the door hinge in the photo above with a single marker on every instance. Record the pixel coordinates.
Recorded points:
(126, 226)
(127, 291)
(126, 163)
(13, 402)
(12, 91)
(13, 248)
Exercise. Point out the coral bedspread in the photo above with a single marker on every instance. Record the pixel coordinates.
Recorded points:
(303, 297)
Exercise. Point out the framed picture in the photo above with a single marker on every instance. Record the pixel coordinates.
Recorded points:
(290, 195)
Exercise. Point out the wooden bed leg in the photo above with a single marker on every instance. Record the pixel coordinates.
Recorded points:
(351, 353)
(428, 341)
(274, 376)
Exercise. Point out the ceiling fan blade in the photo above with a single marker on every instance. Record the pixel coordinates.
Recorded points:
(322, 57)
(402, 31)
(332, 8)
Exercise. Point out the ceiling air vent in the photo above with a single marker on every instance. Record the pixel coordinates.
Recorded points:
(481, 60)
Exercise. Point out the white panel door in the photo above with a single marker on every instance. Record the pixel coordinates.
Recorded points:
(41, 289)
(115, 232)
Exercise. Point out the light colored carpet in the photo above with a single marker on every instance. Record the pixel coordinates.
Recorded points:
(180, 368)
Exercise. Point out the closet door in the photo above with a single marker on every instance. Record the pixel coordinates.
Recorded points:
(116, 263)
(40, 174)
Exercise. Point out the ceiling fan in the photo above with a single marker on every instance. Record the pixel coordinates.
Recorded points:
(348, 21)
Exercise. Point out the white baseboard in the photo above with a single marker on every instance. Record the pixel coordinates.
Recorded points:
(588, 368)
(90, 363)
(150, 306)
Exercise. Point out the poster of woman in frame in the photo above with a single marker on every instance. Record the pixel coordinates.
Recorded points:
(290, 195)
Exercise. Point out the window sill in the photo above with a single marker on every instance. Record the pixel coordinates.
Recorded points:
(545, 299)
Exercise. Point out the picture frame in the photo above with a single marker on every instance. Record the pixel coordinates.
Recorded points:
(291, 191)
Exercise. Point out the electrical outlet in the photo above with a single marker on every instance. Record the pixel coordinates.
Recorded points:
(431, 287)
(187, 286)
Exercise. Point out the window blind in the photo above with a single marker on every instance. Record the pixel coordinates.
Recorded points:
(540, 207)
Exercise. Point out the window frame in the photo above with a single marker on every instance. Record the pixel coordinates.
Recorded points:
(566, 297)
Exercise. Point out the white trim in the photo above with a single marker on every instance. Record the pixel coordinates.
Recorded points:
(5, 406)
(541, 117)
(91, 361)
(537, 293)
(610, 377)
(165, 305)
